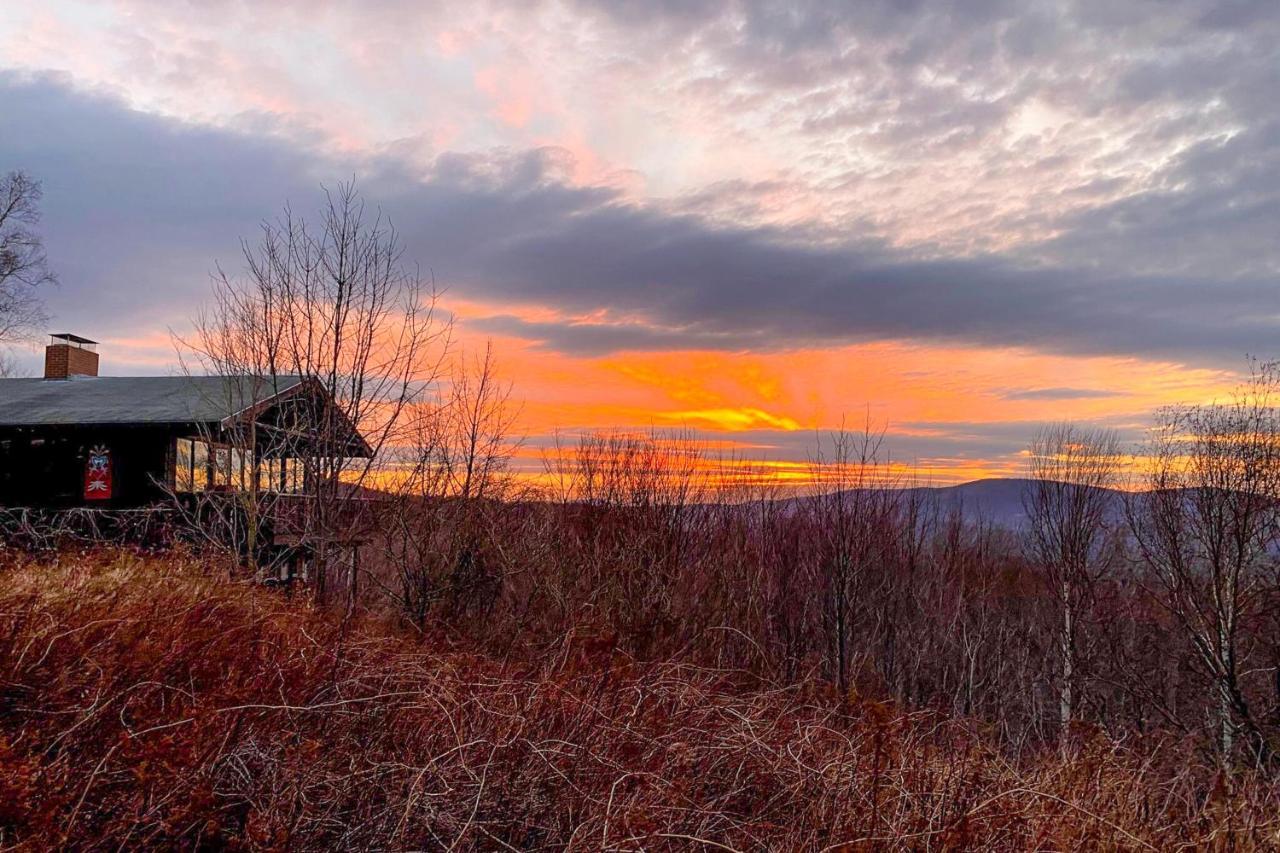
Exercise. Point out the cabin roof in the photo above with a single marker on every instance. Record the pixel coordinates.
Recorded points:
(139, 400)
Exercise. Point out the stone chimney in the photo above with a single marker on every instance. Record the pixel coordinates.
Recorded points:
(70, 355)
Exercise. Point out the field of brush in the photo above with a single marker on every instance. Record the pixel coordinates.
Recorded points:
(156, 701)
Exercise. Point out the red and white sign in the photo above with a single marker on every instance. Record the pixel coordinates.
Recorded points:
(97, 475)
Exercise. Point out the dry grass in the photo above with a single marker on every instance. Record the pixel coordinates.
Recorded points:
(149, 702)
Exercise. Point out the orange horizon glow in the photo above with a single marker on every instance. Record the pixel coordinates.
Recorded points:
(757, 417)
(761, 407)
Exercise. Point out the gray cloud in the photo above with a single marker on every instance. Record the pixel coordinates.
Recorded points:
(1009, 108)
(1213, 213)
(139, 208)
(673, 281)
(1058, 394)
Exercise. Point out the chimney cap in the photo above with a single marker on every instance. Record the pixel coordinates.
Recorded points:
(74, 340)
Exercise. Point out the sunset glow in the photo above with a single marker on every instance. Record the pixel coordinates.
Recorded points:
(729, 224)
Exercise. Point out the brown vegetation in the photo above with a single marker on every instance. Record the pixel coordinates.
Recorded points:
(154, 702)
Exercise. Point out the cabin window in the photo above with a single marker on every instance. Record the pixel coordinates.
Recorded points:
(241, 464)
(183, 480)
(189, 457)
(282, 475)
(221, 467)
(201, 466)
(195, 470)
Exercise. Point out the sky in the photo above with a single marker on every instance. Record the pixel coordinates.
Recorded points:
(748, 221)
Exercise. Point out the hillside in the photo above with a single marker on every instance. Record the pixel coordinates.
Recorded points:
(996, 501)
(154, 703)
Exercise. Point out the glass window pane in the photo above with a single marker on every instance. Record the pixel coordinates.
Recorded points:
(199, 467)
(183, 479)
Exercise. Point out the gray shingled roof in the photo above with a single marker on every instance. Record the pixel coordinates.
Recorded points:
(132, 399)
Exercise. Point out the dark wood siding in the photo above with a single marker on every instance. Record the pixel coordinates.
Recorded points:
(45, 466)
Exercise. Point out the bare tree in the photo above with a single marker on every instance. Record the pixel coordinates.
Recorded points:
(24, 267)
(634, 502)
(1207, 531)
(853, 516)
(432, 535)
(480, 419)
(1068, 504)
(330, 305)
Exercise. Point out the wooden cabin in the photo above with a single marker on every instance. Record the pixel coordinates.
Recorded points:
(77, 439)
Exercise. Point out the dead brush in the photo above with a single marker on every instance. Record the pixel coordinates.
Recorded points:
(148, 702)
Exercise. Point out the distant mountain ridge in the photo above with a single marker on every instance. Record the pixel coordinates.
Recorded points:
(996, 500)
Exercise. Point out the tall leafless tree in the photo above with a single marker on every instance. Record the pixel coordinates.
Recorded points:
(24, 268)
(854, 517)
(454, 466)
(330, 303)
(479, 421)
(1207, 529)
(1069, 507)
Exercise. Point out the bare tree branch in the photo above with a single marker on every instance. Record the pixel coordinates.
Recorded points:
(24, 268)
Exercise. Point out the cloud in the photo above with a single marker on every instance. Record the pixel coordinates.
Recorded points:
(139, 208)
(586, 338)
(1214, 213)
(664, 281)
(1058, 394)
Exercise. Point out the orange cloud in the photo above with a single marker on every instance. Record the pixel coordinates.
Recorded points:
(730, 419)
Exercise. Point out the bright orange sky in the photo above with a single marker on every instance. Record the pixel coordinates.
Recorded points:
(951, 413)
